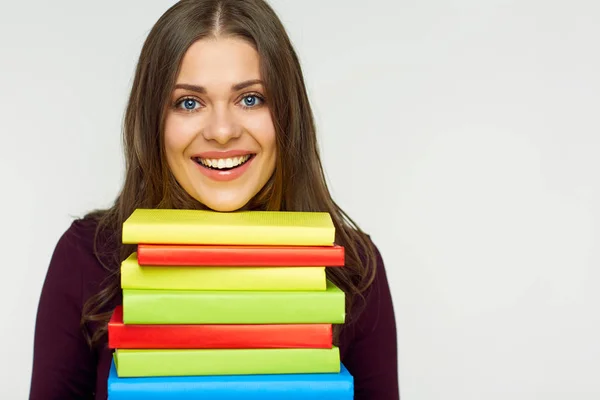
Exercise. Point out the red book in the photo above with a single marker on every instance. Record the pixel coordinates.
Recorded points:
(122, 336)
(221, 255)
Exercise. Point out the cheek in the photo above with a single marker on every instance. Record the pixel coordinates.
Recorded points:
(178, 136)
(264, 134)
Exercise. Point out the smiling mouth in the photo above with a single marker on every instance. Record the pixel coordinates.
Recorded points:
(223, 164)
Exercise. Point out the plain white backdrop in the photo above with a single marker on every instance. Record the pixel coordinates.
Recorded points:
(462, 135)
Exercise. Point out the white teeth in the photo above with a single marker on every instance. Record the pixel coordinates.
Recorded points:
(224, 162)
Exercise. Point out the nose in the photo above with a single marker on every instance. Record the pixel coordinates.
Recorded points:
(222, 125)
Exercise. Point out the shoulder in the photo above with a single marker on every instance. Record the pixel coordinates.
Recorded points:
(375, 300)
(378, 296)
(379, 265)
(378, 269)
(78, 237)
(373, 263)
(75, 245)
(368, 345)
(78, 246)
(77, 262)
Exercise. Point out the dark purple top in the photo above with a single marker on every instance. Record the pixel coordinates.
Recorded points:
(64, 367)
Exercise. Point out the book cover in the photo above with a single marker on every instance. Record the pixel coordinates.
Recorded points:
(147, 306)
(222, 255)
(201, 362)
(134, 276)
(322, 386)
(252, 336)
(169, 226)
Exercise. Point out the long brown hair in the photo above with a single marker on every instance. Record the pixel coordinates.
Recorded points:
(298, 182)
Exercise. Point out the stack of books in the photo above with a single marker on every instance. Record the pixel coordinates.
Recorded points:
(228, 306)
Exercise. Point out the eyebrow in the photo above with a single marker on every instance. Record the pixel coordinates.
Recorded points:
(202, 89)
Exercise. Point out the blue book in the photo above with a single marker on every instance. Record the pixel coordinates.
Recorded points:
(338, 386)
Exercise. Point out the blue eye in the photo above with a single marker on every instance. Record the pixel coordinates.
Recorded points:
(251, 101)
(188, 104)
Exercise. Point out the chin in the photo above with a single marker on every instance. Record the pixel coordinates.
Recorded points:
(223, 205)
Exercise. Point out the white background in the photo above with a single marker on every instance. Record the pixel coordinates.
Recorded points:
(462, 135)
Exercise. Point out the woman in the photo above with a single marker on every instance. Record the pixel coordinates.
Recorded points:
(218, 118)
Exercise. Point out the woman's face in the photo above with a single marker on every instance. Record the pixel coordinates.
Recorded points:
(219, 135)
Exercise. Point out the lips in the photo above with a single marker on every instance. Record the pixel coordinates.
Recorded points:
(222, 154)
(224, 165)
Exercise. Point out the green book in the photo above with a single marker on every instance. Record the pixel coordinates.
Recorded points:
(149, 306)
(198, 362)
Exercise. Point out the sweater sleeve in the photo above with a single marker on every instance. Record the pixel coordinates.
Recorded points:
(371, 356)
(63, 364)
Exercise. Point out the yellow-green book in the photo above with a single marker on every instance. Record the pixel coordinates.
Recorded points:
(169, 226)
(134, 276)
(158, 307)
(198, 362)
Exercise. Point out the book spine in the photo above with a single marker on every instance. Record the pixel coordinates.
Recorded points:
(134, 276)
(134, 233)
(266, 256)
(219, 336)
(232, 307)
(145, 363)
(336, 386)
(124, 389)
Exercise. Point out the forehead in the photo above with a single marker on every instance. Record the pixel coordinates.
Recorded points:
(214, 61)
